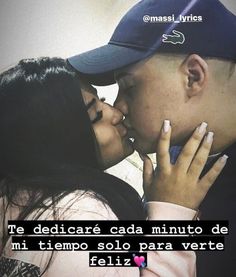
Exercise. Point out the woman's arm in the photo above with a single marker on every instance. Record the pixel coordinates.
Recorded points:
(160, 263)
(181, 183)
(174, 192)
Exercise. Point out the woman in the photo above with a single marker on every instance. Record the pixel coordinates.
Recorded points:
(56, 137)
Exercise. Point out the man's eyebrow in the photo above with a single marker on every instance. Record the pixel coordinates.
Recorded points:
(121, 74)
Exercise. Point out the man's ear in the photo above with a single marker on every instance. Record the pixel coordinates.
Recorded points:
(196, 73)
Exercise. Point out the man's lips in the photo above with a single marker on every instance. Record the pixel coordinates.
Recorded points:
(131, 133)
(131, 136)
(126, 131)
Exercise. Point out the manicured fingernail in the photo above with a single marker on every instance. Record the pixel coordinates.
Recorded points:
(223, 159)
(166, 126)
(209, 137)
(202, 128)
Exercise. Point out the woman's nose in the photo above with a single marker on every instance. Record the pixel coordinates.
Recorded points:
(117, 116)
(111, 114)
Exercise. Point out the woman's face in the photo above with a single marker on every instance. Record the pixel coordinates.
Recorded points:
(110, 133)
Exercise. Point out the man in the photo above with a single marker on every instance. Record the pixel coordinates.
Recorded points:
(176, 60)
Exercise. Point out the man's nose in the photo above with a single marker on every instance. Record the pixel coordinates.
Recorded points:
(121, 104)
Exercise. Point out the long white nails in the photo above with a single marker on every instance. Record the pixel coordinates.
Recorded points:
(209, 137)
(166, 127)
(223, 159)
(202, 128)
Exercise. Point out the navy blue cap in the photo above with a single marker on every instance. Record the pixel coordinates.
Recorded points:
(203, 27)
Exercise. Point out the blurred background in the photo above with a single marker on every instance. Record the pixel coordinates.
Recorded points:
(34, 28)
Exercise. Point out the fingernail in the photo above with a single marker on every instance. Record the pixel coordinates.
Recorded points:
(166, 126)
(209, 137)
(202, 128)
(223, 159)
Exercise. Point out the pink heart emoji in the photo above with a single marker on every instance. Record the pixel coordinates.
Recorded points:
(139, 260)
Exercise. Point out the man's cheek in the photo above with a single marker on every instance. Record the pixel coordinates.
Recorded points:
(148, 125)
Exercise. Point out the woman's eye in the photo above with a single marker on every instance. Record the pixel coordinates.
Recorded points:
(98, 117)
(91, 104)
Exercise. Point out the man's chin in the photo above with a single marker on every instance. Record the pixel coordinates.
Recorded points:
(128, 148)
(143, 148)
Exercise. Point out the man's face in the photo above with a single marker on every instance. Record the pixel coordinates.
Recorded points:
(150, 92)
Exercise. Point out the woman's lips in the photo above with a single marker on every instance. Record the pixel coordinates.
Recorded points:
(126, 131)
(121, 130)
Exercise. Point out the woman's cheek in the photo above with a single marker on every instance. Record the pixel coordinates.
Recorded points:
(110, 144)
(112, 155)
(105, 135)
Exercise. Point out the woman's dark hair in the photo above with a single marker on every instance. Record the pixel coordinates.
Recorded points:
(44, 120)
(47, 144)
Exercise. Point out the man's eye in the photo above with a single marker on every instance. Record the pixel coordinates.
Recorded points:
(129, 90)
(98, 117)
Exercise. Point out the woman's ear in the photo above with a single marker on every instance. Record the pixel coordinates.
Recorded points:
(196, 73)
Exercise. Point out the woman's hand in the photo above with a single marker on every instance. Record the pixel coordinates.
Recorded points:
(180, 183)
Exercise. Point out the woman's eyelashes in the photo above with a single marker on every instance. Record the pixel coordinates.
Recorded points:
(98, 117)
(98, 113)
(93, 101)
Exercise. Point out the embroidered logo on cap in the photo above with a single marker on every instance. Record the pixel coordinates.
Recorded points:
(178, 37)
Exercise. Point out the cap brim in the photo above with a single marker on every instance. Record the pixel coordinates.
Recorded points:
(98, 65)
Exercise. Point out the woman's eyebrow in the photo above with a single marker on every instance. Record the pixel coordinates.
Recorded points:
(93, 91)
(90, 104)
